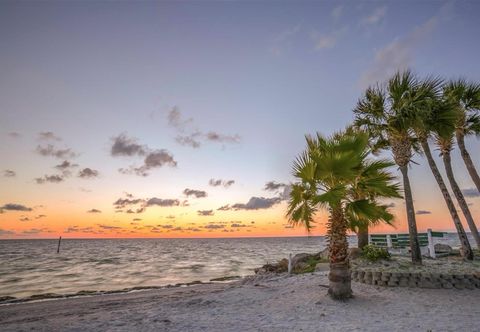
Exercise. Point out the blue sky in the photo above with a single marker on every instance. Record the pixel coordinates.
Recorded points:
(257, 76)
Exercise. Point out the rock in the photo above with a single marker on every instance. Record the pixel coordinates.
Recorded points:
(354, 253)
(322, 255)
(302, 263)
(302, 267)
(280, 267)
(443, 248)
(300, 258)
(322, 267)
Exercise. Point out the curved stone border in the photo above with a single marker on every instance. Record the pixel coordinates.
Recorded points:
(419, 279)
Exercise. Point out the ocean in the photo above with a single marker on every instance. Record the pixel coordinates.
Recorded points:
(33, 267)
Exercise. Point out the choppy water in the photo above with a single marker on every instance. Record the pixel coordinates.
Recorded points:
(31, 267)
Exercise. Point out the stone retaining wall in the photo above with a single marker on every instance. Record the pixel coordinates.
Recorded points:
(419, 279)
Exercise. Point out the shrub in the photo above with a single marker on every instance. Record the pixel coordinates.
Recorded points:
(374, 253)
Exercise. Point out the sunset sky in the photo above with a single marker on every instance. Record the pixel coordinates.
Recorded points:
(182, 119)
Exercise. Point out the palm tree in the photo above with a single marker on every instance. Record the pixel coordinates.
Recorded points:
(329, 173)
(440, 119)
(445, 142)
(465, 98)
(361, 226)
(388, 114)
(371, 173)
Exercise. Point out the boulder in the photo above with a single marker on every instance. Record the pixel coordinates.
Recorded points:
(322, 255)
(301, 263)
(300, 258)
(322, 267)
(443, 248)
(302, 267)
(354, 253)
(281, 266)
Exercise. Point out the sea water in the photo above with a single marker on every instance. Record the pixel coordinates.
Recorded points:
(32, 267)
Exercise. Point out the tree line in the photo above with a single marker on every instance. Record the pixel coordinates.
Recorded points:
(403, 115)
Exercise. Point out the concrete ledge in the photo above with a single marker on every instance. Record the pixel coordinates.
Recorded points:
(418, 279)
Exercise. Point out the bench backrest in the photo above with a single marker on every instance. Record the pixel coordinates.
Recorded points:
(379, 240)
(402, 240)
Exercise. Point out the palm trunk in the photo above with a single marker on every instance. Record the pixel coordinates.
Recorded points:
(461, 200)
(362, 236)
(340, 283)
(466, 251)
(467, 160)
(412, 224)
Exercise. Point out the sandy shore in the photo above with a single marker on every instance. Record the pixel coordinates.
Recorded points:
(280, 303)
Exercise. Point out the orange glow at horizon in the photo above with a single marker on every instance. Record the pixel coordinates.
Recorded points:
(180, 222)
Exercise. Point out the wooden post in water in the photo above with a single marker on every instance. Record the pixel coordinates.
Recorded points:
(59, 240)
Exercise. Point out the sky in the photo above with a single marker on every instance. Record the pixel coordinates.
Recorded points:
(182, 119)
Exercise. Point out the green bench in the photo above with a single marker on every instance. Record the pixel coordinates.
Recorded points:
(402, 241)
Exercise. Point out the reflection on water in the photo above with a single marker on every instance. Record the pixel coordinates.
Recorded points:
(30, 267)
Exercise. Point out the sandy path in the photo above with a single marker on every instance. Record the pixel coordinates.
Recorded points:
(296, 303)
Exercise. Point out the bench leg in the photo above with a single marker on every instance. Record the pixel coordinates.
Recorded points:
(431, 245)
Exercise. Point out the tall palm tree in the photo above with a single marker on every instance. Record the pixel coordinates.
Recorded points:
(329, 173)
(465, 97)
(388, 114)
(445, 142)
(439, 118)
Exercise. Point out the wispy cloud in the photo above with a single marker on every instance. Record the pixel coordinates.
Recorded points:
(126, 146)
(282, 189)
(109, 227)
(35, 231)
(162, 202)
(55, 178)
(423, 212)
(48, 135)
(213, 226)
(284, 40)
(176, 120)
(399, 54)
(14, 134)
(4, 232)
(154, 158)
(15, 207)
(337, 12)
(88, 173)
(86, 230)
(122, 203)
(471, 192)
(224, 208)
(191, 140)
(65, 166)
(328, 40)
(375, 17)
(8, 173)
(50, 150)
(94, 211)
(220, 138)
(196, 193)
(187, 135)
(273, 186)
(254, 203)
(205, 213)
(220, 182)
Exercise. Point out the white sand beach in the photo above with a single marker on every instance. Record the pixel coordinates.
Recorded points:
(275, 303)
